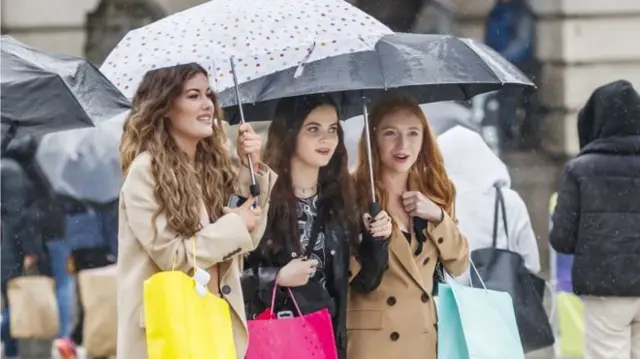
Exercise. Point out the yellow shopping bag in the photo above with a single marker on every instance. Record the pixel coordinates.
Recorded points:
(570, 315)
(182, 324)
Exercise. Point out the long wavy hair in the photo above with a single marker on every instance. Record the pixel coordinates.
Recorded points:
(427, 175)
(336, 194)
(182, 184)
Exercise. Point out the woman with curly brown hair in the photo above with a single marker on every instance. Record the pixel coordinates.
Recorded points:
(313, 224)
(398, 319)
(179, 179)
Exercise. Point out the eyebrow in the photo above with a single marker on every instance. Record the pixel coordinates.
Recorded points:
(208, 90)
(395, 128)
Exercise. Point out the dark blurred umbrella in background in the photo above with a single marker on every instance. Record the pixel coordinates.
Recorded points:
(45, 92)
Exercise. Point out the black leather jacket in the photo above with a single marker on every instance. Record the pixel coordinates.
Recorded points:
(262, 266)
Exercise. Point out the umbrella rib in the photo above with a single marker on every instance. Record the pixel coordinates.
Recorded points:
(59, 78)
(484, 64)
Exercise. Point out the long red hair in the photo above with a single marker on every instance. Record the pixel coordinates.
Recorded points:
(427, 175)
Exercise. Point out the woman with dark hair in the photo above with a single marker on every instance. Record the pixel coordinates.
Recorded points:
(173, 203)
(312, 223)
(398, 319)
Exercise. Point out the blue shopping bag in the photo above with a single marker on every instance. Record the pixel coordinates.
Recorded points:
(476, 323)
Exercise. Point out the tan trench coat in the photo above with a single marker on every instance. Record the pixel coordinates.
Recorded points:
(398, 319)
(139, 257)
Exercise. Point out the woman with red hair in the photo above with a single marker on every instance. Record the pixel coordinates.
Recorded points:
(398, 319)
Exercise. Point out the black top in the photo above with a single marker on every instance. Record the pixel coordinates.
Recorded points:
(307, 211)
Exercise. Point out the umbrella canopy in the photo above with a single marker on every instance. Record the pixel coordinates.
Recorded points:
(84, 164)
(430, 68)
(43, 92)
(263, 37)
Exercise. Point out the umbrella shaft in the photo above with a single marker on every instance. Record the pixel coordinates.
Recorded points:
(367, 136)
(237, 87)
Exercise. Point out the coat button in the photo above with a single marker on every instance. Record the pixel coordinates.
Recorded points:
(350, 274)
(424, 297)
(426, 260)
(394, 336)
(440, 240)
(226, 290)
(391, 301)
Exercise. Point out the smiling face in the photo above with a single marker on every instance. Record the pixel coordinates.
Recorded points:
(318, 137)
(191, 115)
(399, 137)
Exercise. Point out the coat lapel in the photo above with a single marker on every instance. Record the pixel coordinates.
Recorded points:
(404, 253)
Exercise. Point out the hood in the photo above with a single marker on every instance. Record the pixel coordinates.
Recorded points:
(469, 161)
(613, 110)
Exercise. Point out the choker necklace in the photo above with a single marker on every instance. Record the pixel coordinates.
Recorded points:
(305, 192)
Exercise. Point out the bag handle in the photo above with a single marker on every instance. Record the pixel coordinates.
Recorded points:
(499, 205)
(451, 279)
(273, 299)
(193, 249)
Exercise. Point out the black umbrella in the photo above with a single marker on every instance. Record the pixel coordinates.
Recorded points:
(430, 68)
(44, 92)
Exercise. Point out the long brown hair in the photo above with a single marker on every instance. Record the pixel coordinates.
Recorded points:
(427, 175)
(336, 194)
(181, 185)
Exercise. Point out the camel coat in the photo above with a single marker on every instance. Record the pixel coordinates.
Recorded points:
(398, 319)
(140, 256)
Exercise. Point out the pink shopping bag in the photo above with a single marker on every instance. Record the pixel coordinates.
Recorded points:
(303, 337)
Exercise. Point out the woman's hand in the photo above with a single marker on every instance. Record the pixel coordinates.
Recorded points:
(297, 272)
(248, 144)
(418, 205)
(249, 214)
(380, 226)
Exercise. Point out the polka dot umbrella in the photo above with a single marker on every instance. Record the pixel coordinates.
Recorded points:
(241, 40)
(262, 37)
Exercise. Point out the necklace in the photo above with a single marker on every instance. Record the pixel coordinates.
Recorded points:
(305, 192)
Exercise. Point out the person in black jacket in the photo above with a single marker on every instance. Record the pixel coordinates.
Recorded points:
(597, 219)
(313, 224)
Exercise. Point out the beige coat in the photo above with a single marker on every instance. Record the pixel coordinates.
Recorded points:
(139, 257)
(398, 319)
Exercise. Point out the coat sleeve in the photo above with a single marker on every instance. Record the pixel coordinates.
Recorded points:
(566, 215)
(369, 263)
(451, 244)
(258, 281)
(266, 179)
(216, 242)
(522, 236)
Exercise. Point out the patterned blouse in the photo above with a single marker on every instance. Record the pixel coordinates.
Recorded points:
(307, 211)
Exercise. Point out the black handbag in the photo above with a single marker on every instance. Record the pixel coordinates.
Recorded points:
(504, 270)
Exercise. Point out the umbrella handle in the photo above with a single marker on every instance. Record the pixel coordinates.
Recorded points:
(374, 210)
(254, 189)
